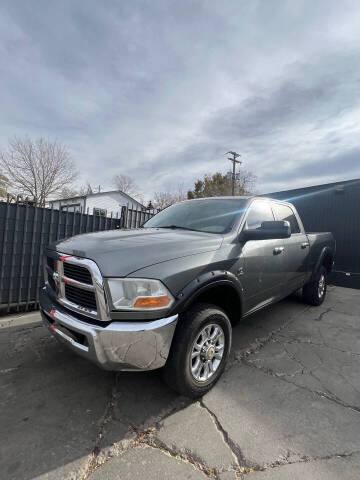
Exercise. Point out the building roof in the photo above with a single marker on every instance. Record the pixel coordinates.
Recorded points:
(95, 194)
(323, 185)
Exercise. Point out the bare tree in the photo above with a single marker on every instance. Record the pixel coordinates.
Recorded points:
(88, 188)
(126, 184)
(163, 199)
(38, 168)
(4, 184)
(71, 192)
(245, 182)
(167, 198)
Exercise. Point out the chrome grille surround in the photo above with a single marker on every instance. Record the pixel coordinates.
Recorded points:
(97, 286)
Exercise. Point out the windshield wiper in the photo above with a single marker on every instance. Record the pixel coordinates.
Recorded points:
(179, 227)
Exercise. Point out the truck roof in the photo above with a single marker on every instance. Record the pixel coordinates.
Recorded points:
(229, 197)
(241, 197)
(237, 197)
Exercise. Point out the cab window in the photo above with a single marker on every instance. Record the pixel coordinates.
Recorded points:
(259, 212)
(283, 212)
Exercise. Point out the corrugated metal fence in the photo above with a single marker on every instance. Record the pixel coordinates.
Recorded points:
(134, 218)
(26, 229)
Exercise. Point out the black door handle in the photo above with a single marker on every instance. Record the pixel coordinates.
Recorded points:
(304, 245)
(278, 250)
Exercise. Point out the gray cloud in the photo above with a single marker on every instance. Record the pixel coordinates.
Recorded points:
(160, 90)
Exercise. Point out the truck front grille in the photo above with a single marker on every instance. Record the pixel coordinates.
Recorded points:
(77, 272)
(77, 284)
(81, 297)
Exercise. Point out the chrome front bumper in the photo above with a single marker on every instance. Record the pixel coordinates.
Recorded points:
(127, 346)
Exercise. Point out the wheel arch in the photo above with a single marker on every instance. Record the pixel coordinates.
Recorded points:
(221, 289)
(326, 259)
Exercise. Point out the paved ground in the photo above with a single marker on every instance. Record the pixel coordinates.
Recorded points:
(288, 406)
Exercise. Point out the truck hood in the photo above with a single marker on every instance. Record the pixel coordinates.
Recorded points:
(121, 252)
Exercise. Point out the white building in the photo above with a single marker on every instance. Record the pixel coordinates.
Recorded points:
(102, 203)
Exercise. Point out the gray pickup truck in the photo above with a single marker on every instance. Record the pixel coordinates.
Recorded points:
(166, 295)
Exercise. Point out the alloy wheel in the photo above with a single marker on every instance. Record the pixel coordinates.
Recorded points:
(321, 286)
(207, 352)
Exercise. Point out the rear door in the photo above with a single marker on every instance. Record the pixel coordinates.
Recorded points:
(262, 276)
(296, 248)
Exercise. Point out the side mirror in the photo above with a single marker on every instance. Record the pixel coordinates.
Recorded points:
(268, 230)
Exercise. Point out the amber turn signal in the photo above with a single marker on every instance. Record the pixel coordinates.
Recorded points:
(152, 302)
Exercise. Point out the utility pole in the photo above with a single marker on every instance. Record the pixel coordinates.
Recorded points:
(233, 159)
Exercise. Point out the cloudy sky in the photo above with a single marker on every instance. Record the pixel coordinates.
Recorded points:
(159, 90)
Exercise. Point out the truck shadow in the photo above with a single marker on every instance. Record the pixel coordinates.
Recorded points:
(58, 411)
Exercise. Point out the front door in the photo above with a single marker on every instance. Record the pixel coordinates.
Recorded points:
(263, 267)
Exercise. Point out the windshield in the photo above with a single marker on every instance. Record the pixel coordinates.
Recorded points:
(212, 216)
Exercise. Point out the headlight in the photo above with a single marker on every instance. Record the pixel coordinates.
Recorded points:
(139, 294)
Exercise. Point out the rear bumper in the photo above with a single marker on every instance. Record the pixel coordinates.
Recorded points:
(127, 346)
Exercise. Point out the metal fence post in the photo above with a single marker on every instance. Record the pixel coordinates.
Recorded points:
(123, 217)
(22, 258)
(31, 256)
(3, 256)
(12, 254)
(39, 269)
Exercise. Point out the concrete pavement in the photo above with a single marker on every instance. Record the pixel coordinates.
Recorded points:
(288, 406)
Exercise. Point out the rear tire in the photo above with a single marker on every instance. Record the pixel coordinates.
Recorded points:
(314, 292)
(199, 350)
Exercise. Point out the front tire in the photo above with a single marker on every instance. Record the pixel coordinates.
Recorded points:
(199, 351)
(314, 293)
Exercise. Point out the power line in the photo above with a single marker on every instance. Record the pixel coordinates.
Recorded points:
(233, 159)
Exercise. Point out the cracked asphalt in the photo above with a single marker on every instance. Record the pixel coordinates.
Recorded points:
(287, 407)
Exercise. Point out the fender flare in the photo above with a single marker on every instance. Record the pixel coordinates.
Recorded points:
(324, 252)
(205, 282)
